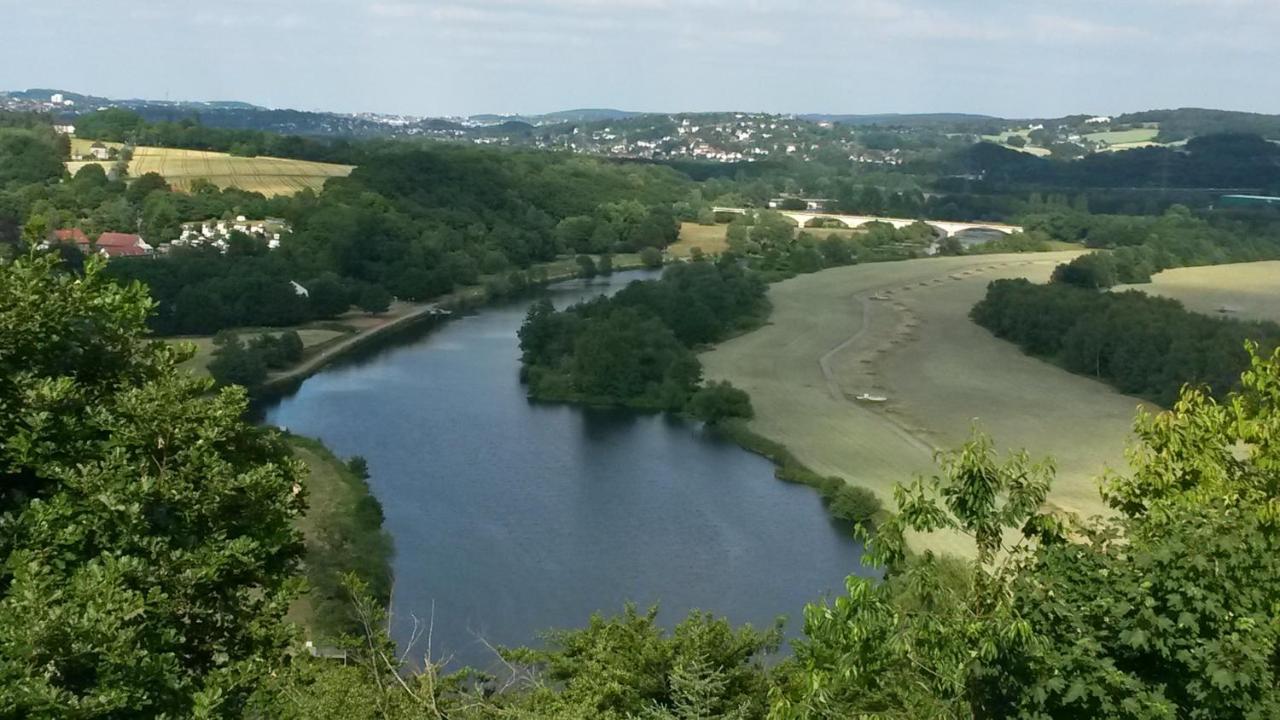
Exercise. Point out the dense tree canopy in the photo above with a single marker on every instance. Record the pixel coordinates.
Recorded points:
(1141, 344)
(145, 528)
(636, 347)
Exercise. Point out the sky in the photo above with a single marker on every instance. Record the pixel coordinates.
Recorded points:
(1013, 58)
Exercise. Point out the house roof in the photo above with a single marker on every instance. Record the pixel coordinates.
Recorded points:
(75, 235)
(117, 240)
(97, 145)
(121, 251)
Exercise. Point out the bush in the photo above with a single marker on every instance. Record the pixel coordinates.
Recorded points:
(718, 401)
(586, 266)
(236, 364)
(651, 258)
(853, 504)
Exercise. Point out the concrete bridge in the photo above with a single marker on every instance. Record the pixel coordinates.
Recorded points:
(945, 227)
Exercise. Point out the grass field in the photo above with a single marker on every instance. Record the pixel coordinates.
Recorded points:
(269, 176)
(828, 341)
(1249, 291)
(1125, 139)
(710, 238)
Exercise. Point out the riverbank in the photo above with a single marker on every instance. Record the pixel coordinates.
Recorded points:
(357, 331)
(342, 531)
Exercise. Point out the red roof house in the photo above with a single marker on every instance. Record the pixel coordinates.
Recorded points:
(114, 244)
(74, 236)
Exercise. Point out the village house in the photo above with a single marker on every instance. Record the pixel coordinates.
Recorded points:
(217, 232)
(114, 245)
(108, 245)
(99, 151)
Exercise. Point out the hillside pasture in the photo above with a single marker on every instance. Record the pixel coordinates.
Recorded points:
(269, 176)
(1248, 291)
(1125, 139)
(901, 330)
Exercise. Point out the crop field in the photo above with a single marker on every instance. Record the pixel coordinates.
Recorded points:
(1249, 291)
(269, 176)
(830, 339)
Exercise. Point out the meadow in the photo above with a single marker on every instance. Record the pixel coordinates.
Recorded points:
(1125, 139)
(900, 330)
(1249, 291)
(269, 176)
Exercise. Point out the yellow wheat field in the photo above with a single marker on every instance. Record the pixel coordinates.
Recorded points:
(269, 176)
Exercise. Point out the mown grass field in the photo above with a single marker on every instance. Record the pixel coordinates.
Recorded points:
(710, 238)
(828, 340)
(1249, 291)
(269, 176)
(1124, 139)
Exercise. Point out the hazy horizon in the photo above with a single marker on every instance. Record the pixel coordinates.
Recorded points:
(421, 57)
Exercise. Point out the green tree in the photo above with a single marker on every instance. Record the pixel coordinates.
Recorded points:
(374, 299)
(651, 258)
(718, 401)
(586, 266)
(147, 529)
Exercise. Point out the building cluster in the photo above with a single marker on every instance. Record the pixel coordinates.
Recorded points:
(108, 245)
(217, 233)
(212, 233)
(722, 137)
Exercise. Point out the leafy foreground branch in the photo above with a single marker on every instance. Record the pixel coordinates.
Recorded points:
(149, 554)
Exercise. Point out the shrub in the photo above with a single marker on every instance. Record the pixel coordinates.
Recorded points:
(717, 401)
(651, 257)
(853, 504)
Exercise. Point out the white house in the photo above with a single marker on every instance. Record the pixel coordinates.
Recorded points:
(99, 151)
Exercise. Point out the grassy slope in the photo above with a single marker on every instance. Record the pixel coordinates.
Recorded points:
(269, 176)
(1250, 291)
(939, 370)
(340, 535)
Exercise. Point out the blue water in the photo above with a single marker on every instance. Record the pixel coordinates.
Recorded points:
(510, 517)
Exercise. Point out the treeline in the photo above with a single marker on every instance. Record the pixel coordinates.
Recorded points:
(772, 244)
(636, 348)
(1227, 160)
(1141, 246)
(120, 125)
(1184, 123)
(1142, 345)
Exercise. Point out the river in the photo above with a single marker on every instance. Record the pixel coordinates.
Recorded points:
(510, 517)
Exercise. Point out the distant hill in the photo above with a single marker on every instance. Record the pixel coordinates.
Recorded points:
(563, 116)
(1184, 123)
(900, 119)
